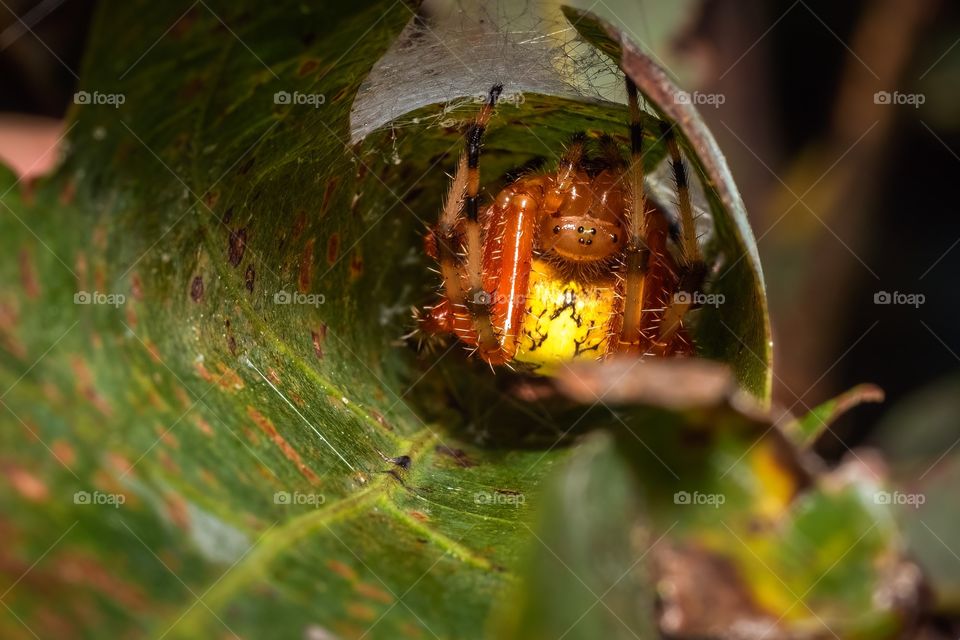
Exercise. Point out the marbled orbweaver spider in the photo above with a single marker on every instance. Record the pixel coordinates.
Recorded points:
(571, 264)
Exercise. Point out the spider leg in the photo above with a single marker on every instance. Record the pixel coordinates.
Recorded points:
(485, 277)
(636, 252)
(455, 242)
(691, 267)
(477, 300)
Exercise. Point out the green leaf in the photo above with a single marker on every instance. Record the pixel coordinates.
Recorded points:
(805, 431)
(586, 576)
(210, 424)
(753, 538)
(919, 438)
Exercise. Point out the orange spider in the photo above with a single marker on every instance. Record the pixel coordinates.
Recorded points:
(569, 264)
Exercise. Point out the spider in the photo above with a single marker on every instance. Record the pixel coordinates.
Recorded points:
(571, 264)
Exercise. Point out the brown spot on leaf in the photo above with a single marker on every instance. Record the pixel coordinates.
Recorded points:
(459, 455)
(210, 198)
(299, 224)
(419, 516)
(307, 66)
(64, 451)
(9, 320)
(203, 426)
(238, 244)
(82, 270)
(318, 337)
(177, 511)
(168, 463)
(273, 376)
(152, 349)
(249, 277)
(165, 434)
(119, 464)
(288, 451)
(333, 248)
(88, 573)
(341, 94)
(28, 275)
(328, 194)
(373, 592)
(228, 215)
(356, 264)
(381, 420)
(345, 571)
(136, 286)
(231, 339)
(226, 379)
(99, 278)
(99, 237)
(52, 393)
(29, 486)
(361, 611)
(306, 267)
(182, 26)
(196, 289)
(69, 191)
(85, 387)
(246, 166)
(131, 313)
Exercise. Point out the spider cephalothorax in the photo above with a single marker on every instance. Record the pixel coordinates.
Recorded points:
(567, 264)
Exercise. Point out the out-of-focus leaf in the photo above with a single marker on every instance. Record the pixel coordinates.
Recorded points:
(754, 542)
(804, 431)
(586, 576)
(920, 437)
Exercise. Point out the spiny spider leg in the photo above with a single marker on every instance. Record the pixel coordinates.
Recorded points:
(692, 269)
(636, 252)
(486, 265)
(448, 236)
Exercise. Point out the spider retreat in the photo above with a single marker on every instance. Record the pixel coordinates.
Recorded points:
(566, 265)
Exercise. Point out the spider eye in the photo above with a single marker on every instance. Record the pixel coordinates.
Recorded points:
(556, 229)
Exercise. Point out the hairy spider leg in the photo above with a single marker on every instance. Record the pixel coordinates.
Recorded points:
(455, 242)
(478, 301)
(636, 252)
(691, 267)
(485, 283)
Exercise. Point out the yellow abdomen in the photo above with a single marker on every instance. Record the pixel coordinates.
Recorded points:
(566, 319)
